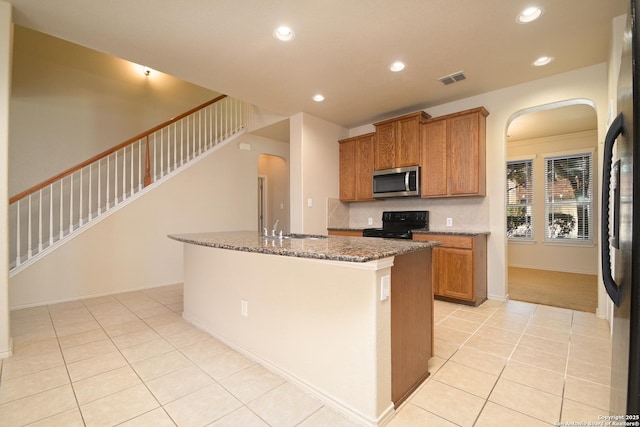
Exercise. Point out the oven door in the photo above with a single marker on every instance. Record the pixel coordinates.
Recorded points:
(398, 182)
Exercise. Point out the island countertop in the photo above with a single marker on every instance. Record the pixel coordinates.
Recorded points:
(336, 248)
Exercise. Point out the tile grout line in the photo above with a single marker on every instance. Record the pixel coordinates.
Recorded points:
(128, 364)
(66, 367)
(160, 405)
(484, 404)
(504, 366)
(194, 363)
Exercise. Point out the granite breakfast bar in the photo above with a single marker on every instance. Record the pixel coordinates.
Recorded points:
(349, 319)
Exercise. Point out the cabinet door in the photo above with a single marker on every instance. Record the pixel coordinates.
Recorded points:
(364, 168)
(385, 151)
(453, 272)
(434, 158)
(463, 155)
(408, 142)
(348, 170)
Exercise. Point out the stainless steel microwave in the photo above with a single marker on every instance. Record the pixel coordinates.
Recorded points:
(398, 182)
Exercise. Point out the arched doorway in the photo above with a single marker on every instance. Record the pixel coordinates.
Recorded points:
(273, 192)
(551, 205)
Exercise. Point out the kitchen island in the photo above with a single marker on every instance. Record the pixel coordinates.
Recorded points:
(349, 319)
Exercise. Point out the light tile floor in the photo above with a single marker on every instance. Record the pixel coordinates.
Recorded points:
(130, 360)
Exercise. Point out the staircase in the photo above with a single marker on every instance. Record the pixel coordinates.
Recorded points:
(49, 214)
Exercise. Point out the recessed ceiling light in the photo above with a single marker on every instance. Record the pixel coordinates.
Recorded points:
(543, 60)
(397, 66)
(318, 98)
(284, 34)
(530, 14)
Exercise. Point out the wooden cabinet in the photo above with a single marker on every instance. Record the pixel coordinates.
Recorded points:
(350, 233)
(459, 267)
(397, 141)
(453, 155)
(356, 168)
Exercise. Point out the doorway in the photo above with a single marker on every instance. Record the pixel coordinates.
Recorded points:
(273, 193)
(262, 188)
(551, 210)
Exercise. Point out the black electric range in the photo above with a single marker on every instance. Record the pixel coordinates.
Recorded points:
(399, 224)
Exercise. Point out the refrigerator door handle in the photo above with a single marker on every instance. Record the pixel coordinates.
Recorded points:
(610, 284)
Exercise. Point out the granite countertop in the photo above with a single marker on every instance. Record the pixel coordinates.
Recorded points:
(423, 231)
(336, 248)
(451, 232)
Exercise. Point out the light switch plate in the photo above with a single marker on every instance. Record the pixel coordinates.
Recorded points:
(244, 308)
(449, 222)
(385, 288)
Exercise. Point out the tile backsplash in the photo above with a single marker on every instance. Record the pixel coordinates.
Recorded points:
(467, 214)
(337, 214)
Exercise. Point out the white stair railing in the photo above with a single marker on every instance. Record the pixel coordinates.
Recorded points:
(42, 216)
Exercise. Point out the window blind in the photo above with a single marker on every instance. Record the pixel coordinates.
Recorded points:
(568, 197)
(520, 199)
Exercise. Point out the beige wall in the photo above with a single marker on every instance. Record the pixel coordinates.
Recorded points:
(332, 335)
(315, 172)
(577, 258)
(6, 31)
(129, 249)
(69, 103)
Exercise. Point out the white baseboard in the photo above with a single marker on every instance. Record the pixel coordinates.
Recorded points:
(87, 296)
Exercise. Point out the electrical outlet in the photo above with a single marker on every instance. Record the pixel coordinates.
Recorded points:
(370, 221)
(244, 308)
(449, 222)
(310, 203)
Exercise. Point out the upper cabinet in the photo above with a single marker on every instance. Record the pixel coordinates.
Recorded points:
(397, 141)
(356, 168)
(450, 151)
(453, 160)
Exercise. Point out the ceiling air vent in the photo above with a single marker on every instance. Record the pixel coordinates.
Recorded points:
(452, 78)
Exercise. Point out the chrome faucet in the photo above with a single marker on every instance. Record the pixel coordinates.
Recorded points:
(275, 225)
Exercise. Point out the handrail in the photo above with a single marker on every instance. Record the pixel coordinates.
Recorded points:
(44, 216)
(110, 151)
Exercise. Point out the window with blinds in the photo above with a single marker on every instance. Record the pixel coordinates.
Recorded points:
(568, 197)
(520, 199)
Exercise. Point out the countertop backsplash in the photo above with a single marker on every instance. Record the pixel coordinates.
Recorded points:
(467, 213)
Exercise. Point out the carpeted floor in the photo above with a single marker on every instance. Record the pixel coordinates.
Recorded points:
(567, 290)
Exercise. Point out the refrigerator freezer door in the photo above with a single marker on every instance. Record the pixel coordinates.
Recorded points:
(622, 281)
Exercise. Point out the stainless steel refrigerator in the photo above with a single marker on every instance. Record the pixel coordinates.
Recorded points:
(620, 227)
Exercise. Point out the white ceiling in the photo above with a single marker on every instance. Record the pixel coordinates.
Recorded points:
(341, 49)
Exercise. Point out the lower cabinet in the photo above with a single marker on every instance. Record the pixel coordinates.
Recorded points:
(459, 267)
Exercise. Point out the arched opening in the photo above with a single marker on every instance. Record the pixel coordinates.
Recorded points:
(273, 192)
(551, 205)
